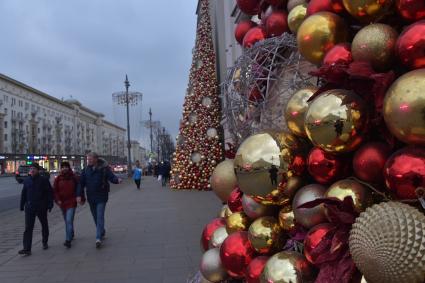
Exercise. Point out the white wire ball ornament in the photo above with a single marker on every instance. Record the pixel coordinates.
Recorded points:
(259, 85)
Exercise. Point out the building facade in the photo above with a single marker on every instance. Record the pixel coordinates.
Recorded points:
(35, 126)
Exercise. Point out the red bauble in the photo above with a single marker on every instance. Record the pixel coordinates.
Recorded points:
(325, 167)
(339, 53)
(209, 230)
(235, 200)
(405, 172)
(249, 7)
(315, 6)
(410, 46)
(255, 95)
(242, 28)
(276, 24)
(255, 268)
(253, 35)
(275, 2)
(314, 237)
(369, 162)
(236, 253)
(412, 10)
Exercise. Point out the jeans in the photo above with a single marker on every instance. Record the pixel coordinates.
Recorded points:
(68, 216)
(98, 212)
(29, 226)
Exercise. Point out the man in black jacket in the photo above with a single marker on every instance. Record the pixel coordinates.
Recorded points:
(36, 200)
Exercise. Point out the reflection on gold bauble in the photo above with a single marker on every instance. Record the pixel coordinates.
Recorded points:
(387, 243)
(296, 17)
(256, 209)
(238, 221)
(287, 219)
(309, 217)
(287, 267)
(223, 179)
(361, 195)
(318, 34)
(225, 211)
(218, 237)
(404, 107)
(375, 44)
(367, 11)
(296, 109)
(264, 234)
(335, 121)
(211, 267)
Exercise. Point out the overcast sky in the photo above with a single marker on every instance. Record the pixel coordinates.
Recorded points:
(84, 48)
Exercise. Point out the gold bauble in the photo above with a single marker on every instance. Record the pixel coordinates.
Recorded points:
(296, 16)
(254, 209)
(287, 219)
(223, 179)
(218, 237)
(404, 108)
(296, 109)
(294, 3)
(264, 234)
(387, 243)
(211, 267)
(225, 211)
(238, 221)
(287, 267)
(319, 33)
(361, 195)
(367, 11)
(335, 121)
(375, 44)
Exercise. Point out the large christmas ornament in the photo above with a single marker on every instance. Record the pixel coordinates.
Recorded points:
(326, 167)
(361, 195)
(375, 44)
(367, 11)
(254, 35)
(223, 179)
(313, 239)
(296, 17)
(387, 243)
(309, 217)
(369, 162)
(276, 23)
(411, 10)
(234, 201)
(404, 107)
(264, 234)
(404, 172)
(238, 221)
(294, 3)
(255, 209)
(287, 219)
(315, 6)
(209, 230)
(287, 267)
(211, 266)
(249, 7)
(218, 237)
(318, 34)
(410, 47)
(340, 53)
(242, 28)
(236, 253)
(255, 268)
(336, 120)
(296, 109)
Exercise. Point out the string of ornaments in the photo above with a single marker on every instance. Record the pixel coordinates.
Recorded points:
(198, 145)
(338, 197)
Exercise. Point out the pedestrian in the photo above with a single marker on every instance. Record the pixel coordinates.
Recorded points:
(137, 174)
(36, 200)
(95, 179)
(161, 171)
(166, 173)
(65, 193)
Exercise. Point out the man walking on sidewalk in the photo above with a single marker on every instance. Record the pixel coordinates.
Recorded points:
(36, 200)
(95, 178)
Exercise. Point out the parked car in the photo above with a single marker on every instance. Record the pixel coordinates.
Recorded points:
(23, 171)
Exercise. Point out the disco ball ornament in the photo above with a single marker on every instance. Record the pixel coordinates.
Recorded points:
(309, 217)
(223, 179)
(265, 235)
(367, 11)
(336, 121)
(410, 47)
(361, 195)
(242, 28)
(211, 267)
(387, 243)
(296, 109)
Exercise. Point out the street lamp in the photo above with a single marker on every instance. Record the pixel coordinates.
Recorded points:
(128, 99)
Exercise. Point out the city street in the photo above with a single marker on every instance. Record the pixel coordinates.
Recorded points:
(10, 193)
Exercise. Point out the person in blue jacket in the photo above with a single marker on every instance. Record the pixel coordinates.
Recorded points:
(95, 179)
(36, 200)
(137, 174)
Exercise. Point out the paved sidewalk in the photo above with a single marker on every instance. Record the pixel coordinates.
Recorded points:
(152, 236)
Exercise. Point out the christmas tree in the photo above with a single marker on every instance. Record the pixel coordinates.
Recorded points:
(198, 144)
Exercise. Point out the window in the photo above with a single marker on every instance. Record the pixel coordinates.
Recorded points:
(5, 137)
(5, 124)
(6, 98)
(27, 105)
(21, 103)
(38, 130)
(13, 101)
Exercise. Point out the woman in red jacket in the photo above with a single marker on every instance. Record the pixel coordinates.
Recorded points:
(64, 189)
